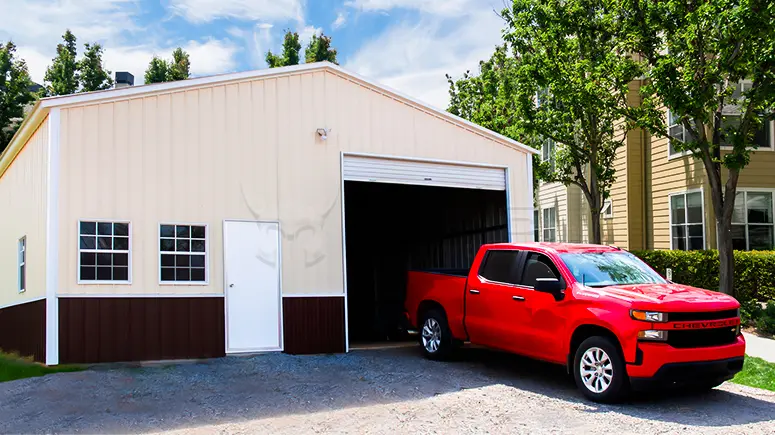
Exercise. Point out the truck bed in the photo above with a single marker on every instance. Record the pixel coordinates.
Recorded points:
(443, 286)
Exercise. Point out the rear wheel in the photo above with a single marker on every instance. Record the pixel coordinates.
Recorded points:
(435, 337)
(599, 370)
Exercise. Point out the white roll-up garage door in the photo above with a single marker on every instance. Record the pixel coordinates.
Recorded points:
(389, 170)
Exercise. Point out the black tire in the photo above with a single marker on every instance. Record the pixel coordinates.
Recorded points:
(615, 373)
(436, 321)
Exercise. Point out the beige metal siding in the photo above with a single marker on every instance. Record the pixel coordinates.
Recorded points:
(247, 150)
(23, 202)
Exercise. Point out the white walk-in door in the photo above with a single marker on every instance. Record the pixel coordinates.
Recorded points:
(252, 281)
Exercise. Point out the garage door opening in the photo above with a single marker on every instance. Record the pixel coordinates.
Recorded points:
(394, 228)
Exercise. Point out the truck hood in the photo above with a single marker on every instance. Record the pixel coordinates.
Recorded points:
(670, 297)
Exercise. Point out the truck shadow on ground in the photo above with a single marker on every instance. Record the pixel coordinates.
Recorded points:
(230, 390)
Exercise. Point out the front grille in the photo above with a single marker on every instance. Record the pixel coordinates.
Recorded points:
(701, 315)
(702, 337)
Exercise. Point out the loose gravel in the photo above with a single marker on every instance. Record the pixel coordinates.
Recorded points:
(375, 391)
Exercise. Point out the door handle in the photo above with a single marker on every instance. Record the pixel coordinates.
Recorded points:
(474, 292)
(518, 298)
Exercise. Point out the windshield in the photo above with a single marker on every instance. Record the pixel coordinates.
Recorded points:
(601, 269)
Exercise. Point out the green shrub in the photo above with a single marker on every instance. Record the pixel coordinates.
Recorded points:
(754, 271)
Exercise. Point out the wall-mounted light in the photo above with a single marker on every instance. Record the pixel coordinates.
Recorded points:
(323, 133)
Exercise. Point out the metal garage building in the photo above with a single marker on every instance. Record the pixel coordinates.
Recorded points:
(265, 210)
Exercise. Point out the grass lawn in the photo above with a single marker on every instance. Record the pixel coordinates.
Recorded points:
(757, 373)
(12, 367)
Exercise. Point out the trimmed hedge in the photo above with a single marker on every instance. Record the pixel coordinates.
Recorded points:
(754, 270)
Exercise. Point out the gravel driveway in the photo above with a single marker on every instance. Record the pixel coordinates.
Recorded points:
(376, 391)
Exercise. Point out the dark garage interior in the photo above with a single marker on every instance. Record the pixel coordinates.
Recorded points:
(394, 228)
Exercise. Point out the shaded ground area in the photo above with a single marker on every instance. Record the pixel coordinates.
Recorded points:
(376, 391)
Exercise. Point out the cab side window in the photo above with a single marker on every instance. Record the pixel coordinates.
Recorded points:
(500, 265)
(538, 266)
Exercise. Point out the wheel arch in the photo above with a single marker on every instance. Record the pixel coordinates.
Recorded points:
(426, 306)
(584, 331)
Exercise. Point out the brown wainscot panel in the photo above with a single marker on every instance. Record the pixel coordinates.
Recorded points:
(95, 330)
(23, 329)
(313, 324)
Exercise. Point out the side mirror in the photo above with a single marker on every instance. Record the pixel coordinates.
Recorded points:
(552, 286)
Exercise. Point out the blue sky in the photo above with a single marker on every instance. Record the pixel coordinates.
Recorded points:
(405, 44)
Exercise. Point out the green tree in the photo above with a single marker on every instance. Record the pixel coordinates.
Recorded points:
(15, 92)
(563, 83)
(711, 63)
(179, 68)
(319, 50)
(290, 54)
(157, 72)
(62, 76)
(93, 76)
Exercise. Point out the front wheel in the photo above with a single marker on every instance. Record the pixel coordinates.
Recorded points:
(435, 336)
(599, 370)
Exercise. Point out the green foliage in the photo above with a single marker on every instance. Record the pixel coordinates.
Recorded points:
(13, 367)
(290, 54)
(62, 75)
(157, 71)
(319, 50)
(179, 68)
(757, 373)
(94, 77)
(160, 70)
(754, 280)
(14, 92)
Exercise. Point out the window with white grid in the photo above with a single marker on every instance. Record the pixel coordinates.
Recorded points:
(103, 252)
(183, 253)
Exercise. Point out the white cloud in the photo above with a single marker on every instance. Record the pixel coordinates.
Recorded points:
(199, 11)
(414, 56)
(305, 35)
(442, 7)
(341, 19)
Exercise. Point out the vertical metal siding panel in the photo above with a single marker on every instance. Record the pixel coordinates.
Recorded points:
(23, 330)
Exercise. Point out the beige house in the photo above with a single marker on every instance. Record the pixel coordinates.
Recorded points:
(257, 211)
(661, 198)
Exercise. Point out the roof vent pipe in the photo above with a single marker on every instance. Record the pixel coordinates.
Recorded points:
(124, 79)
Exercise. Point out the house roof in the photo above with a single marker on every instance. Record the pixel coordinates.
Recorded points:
(43, 106)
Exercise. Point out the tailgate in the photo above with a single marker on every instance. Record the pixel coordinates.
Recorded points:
(447, 289)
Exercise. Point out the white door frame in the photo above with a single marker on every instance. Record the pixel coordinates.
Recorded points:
(419, 160)
(279, 288)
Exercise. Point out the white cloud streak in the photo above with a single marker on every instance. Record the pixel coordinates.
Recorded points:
(341, 19)
(201, 11)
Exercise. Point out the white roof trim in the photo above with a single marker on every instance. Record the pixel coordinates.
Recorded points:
(131, 91)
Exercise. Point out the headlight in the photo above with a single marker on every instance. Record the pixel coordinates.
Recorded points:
(652, 335)
(648, 316)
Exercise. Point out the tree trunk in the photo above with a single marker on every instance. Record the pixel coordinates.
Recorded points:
(726, 258)
(595, 233)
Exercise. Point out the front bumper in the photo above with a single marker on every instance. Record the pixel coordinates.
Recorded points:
(660, 363)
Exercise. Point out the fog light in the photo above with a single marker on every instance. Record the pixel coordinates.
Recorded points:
(652, 335)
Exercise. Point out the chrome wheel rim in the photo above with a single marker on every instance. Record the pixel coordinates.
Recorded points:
(597, 370)
(431, 335)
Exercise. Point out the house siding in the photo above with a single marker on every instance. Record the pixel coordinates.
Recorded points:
(23, 189)
(247, 150)
(554, 195)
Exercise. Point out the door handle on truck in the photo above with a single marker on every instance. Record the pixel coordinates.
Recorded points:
(518, 298)
(472, 291)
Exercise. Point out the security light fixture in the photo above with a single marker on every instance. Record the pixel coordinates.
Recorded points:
(323, 133)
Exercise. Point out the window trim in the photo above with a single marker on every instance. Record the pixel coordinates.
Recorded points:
(670, 196)
(745, 204)
(128, 252)
(206, 282)
(607, 212)
(21, 246)
(772, 140)
(544, 227)
(679, 154)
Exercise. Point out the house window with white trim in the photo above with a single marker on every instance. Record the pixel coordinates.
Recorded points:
(182, 254)
(22, 250)
(103, 250)
(547, 153)
(607, 212)
(677, 130)
(730, 118)
(550, 224)
(752, 221)
(687, 221)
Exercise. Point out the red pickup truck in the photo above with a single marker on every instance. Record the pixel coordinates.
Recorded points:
(600, 311)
